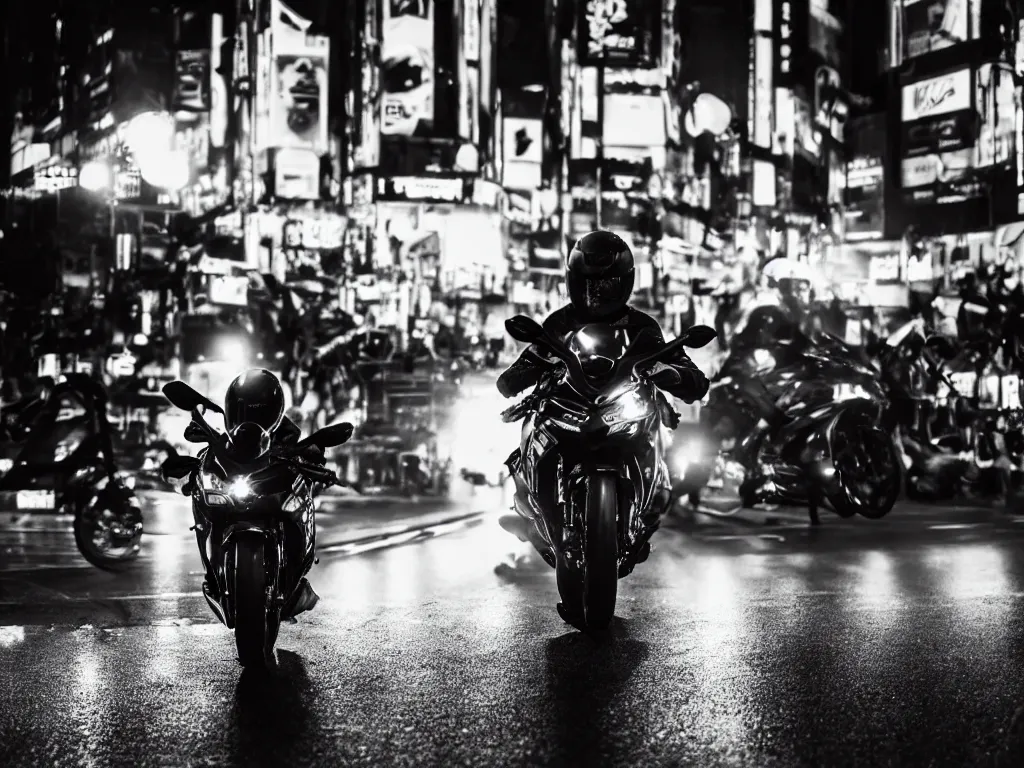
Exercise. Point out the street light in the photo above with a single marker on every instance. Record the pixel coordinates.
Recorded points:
(149, 133)
(167, 170)
(707, 114)
(150, 137)
(96, 176)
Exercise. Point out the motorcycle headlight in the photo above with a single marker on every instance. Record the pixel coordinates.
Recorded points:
(626, 404)
(686, 454)
(221, 494)
(239, 488)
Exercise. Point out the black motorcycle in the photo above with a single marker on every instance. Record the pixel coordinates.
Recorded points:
(253, 504)
(803, 423)
(590, 460)
(62, 443)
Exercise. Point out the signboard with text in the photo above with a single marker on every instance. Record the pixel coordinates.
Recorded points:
(624, 33)
(937, 96)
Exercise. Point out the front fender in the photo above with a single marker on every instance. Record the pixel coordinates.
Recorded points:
(236, 529)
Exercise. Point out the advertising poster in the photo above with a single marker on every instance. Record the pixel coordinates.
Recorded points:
(298, 106)
(625, 33)
(633, 120)
(958, 128)
(407, 66)
(925, 26)
(864, 196)
(938, 142)
(523, 153)
(191, 82)
(825, 31)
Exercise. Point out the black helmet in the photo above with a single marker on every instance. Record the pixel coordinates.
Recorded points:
(599, 274)
(254, 397)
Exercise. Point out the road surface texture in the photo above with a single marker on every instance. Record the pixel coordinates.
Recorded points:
(860, 643)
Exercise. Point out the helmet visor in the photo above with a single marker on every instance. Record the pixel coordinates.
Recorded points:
(603, 292)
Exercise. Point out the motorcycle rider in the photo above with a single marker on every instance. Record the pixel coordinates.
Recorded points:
(599, 276)
(257, 396)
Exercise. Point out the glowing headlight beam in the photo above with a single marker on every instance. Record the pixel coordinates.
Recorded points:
(631, 408)
(240, 488)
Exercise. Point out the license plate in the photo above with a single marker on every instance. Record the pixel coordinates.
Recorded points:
(36, 500)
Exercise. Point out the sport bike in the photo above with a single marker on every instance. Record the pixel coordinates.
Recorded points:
(60, 445)
(590, 461)
(253, 504)
(802, 423)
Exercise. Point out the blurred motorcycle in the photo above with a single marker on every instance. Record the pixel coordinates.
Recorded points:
(62, 443)
(254, 511)
(804, 422)
(591, 460)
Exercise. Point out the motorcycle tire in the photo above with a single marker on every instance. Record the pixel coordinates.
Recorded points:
(121, 503)
(846, 506)
(600, 551)
(256, 624)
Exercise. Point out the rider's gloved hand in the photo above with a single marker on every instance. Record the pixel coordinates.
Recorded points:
(694, 385)
(506, 385)
(314, 454)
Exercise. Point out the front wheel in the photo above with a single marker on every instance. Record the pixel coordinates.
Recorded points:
(600, 551)
(256, 623)
(108, 529)
(870, 472)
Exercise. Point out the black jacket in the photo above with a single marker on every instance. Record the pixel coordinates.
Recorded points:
(532, 364)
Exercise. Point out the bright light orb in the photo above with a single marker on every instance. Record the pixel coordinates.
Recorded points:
(149, 134)
(168, 170)
(709, 114)
(96, 176)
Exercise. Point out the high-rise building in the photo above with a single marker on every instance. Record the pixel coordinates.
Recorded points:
(953, 122)
(422, 166)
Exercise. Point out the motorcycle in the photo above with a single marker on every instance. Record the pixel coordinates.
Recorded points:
(591, 460)
(251, 501)
(61, 447)
(804, 424)
(911, 364)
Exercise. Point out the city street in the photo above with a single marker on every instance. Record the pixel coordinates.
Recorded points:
(737, 643)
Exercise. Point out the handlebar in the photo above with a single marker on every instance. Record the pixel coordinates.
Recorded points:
(630, 360)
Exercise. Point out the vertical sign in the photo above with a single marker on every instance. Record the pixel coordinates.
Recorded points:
(298, 97)
(790, 20)
(407, 66)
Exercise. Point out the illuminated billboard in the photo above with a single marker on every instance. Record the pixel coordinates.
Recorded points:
(924, 26)
(956, 128)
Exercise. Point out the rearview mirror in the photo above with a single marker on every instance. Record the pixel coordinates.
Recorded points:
(329, 437)
(666, 378)
(698, 336)
(942, 346)
(523, 328)
(177, 467)
(184, 397)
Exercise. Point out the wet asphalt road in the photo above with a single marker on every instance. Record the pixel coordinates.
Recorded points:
(869, 644)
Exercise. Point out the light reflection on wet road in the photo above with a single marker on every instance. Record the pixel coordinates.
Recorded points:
(896, 643)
